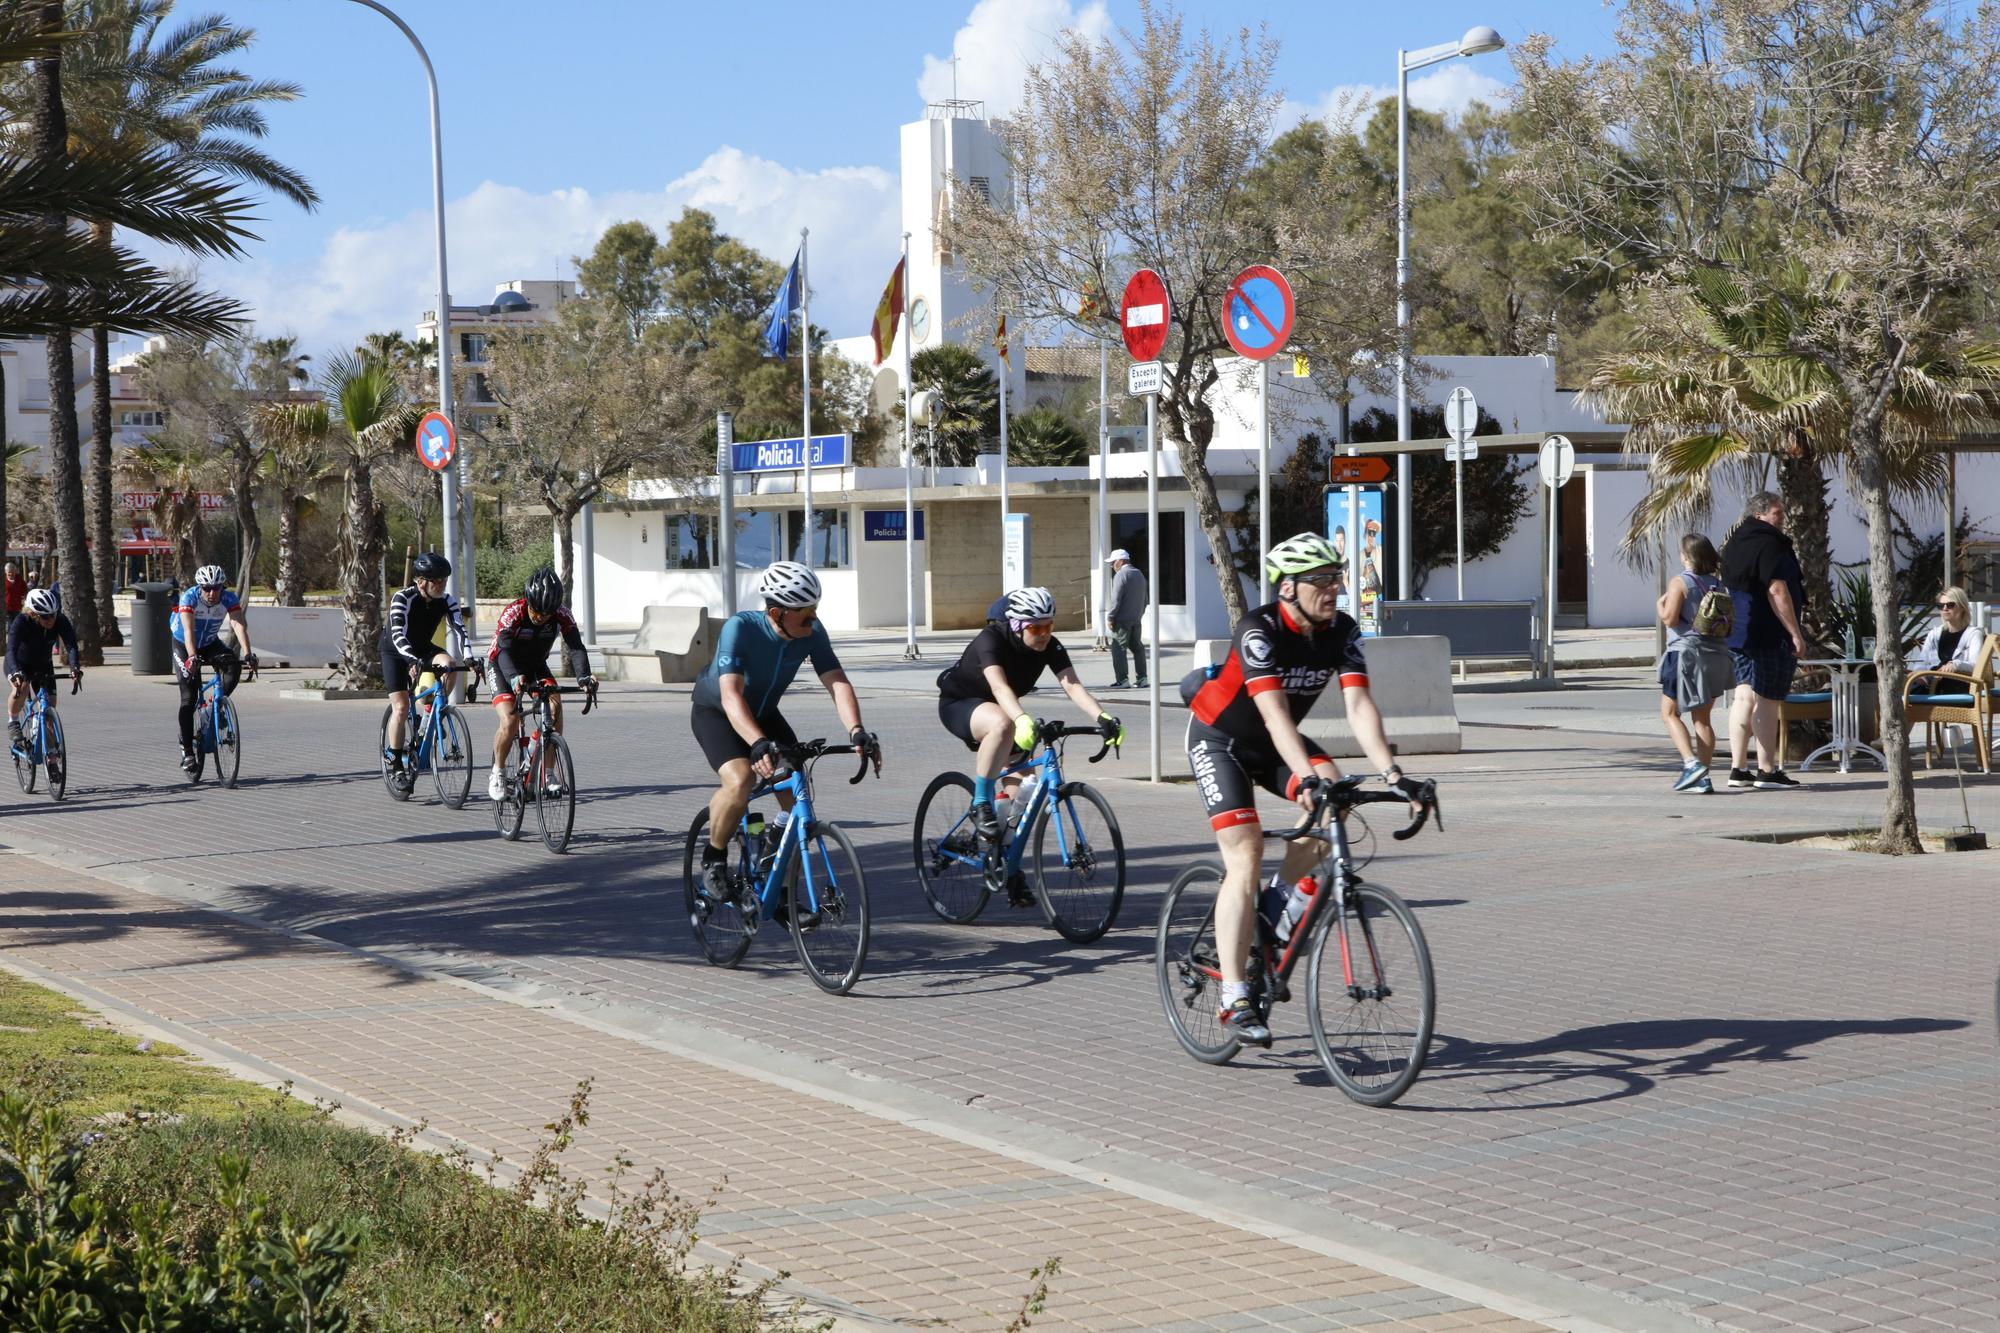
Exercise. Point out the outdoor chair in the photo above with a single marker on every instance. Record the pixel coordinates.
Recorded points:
(1801, 706)
(1970, 705)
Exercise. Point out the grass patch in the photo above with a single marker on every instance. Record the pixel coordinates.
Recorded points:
(68, 1059)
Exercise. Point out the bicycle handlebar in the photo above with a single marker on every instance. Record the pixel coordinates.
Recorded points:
(75, 681)
(537, 687)
(1056, 729)
(806, 752)
(1346, 794)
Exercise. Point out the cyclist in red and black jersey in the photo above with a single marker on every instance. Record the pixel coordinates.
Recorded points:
(1243, 733)
(522, 640)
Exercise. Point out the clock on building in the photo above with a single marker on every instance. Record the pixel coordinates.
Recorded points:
(920, 321)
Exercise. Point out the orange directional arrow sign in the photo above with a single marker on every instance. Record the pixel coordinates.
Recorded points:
(1362, 470)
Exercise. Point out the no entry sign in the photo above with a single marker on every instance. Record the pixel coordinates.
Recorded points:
(437, 443)
(1257, 312)
(1143, 317)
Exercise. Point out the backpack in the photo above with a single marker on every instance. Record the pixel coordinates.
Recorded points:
(1715, 614)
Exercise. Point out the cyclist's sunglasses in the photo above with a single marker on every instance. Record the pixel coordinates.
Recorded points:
(1325, 580)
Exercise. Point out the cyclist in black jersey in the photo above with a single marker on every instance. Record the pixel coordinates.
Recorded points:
(979, 697)
(33, 638)
(1243, 733)
(408, 643)
(523, 637)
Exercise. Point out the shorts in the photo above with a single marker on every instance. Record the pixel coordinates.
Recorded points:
(1767, 671)
(528, 670)
(398, 671)
(719, 742)
(1227, 771)
(956, 714)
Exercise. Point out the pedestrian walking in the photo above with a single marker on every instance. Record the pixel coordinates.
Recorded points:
(16, 591)
(1696, 669)
(1125, 619)
(1761, 569)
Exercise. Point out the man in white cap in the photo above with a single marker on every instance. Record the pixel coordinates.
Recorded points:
(1124, 617)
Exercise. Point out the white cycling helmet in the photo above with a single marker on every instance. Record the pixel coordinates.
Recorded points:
(789, 584)
(1031, 604)
(1301, 555)
(41, 602)
(211, 576)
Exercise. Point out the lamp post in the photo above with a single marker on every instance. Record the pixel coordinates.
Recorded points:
(461, 583)
(1477, 41)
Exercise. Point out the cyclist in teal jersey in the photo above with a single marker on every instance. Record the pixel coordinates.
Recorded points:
(735, 717)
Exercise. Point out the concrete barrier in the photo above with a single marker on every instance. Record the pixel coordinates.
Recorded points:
(674, 645)
(302, 636)
(1409, 678)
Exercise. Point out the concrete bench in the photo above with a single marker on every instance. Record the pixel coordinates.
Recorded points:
(1475, 631)
(674, 645)
(1409, 678)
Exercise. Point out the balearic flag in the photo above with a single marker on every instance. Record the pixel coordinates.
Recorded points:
(889, 313)
(1000, 341)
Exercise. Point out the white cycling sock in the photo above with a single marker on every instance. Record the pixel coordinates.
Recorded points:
(1232, 991)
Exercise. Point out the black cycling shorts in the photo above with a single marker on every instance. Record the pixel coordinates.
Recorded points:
(1228, 771)
(719, 742)
(398, 671)
(956, 714)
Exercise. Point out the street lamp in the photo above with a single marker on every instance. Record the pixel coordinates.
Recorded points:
(1477, 41)
(462, 584)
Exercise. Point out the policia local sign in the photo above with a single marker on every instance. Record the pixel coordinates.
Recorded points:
(788, 455)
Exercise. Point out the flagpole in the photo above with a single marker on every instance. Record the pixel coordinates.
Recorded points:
(909, 475)
(1100, 535)
(806, 382)
(1003, 471)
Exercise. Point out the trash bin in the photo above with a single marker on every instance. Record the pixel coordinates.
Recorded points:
(152, 636)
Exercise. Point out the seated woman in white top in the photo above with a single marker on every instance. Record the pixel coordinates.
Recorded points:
(1951, 645)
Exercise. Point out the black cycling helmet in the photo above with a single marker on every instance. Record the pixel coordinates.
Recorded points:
(430, 565)
(544, 591)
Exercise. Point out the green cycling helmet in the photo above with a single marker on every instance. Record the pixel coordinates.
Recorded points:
(1300, 554)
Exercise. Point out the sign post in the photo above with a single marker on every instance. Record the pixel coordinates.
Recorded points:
(1461, 418)
(1258, 314)
(725, 492)
(1144, 319)
(1558, 463)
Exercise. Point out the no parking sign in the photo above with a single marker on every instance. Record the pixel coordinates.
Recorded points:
(437, 442)
(1257, 312)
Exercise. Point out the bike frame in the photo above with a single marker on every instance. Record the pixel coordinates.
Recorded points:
(211, 695)
(41, 709)
(771, 891)
(434, 700)
(1049, 764)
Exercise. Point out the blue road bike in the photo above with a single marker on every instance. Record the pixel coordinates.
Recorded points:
(41, 748)
(1064, 831)
(808, 879)
(443, 741)
(218, 734)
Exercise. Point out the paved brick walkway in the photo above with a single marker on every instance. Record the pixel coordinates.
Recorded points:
(888, 1218)
(1677, 1076)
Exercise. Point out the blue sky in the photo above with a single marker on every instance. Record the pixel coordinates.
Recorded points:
(562, 118)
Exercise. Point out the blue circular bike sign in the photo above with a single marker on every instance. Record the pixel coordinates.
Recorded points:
(437, 443)
(1257, 312)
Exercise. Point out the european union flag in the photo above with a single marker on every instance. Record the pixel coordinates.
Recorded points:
(778, 324)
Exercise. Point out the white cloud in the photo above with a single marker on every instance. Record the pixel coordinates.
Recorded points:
(997, 44)
(1449, 90)
(383, 276)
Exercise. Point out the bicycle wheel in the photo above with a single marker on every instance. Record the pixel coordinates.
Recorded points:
(390, 777)
(1080, 881)
(723, 931)
(228, 742)
(829, 913)
(55, 757)
(24, 763)
(202, 744)
(1371, 1001)
(1190, 967)
(451, 757)
(555, 793)
(947, 850)
(511, 808)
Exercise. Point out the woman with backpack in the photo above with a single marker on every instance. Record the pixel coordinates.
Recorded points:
(1696, 669)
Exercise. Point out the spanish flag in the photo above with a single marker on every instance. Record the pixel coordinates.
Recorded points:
(1000, 341)
(889, 313)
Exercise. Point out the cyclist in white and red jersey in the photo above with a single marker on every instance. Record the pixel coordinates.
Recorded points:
(522, 640)
(1243, 733)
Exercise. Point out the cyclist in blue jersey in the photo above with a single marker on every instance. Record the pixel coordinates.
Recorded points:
(197, 631)
(735, 716)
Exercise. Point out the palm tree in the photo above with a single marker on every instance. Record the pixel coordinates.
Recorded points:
(968, 412)
(299, 463)
(128, 90)
(1713, 393)
(44, 250)
(369, 419)
(1045, 437)
(278, 366)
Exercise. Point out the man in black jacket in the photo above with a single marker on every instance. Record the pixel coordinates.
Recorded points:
(1758, 561)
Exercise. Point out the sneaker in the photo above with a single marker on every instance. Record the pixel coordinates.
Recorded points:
(1742, 777)
(1774, 779)
(1702, 788)
(1140, 684)
(985, 820)
(1240, 1021)
(1693, 773)
(496, 786)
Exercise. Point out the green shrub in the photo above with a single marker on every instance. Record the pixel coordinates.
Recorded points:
(71, 1258)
